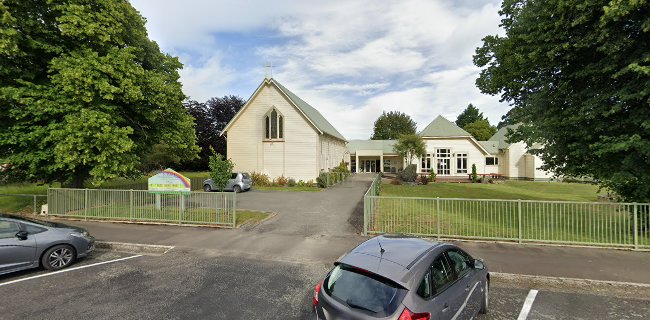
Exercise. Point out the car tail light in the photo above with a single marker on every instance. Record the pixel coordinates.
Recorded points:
(408, 315)
(316, 291)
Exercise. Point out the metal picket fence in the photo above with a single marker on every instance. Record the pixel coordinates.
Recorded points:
(196, 208)
(523, 221)
(23, 203)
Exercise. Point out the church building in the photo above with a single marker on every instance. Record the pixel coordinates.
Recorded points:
(279, 134)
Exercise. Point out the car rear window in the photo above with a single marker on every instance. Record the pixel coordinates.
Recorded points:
(363, 291)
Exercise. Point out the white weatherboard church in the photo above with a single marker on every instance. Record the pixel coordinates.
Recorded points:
(279, 134)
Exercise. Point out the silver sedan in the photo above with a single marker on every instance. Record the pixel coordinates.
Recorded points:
(29, 243)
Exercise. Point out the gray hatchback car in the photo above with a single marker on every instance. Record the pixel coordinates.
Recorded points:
(403, 278)
(238, 182)
(29, 243)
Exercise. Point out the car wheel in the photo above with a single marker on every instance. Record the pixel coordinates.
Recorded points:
(237, 189)
(207, 188)
(58, 257)
(486, 299)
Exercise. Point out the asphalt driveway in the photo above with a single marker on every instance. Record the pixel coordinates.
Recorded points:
(336, 211)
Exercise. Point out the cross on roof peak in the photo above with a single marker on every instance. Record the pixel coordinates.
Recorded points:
(269, 70)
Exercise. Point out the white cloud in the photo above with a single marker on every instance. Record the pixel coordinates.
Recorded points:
(205, 79)
(349, 59)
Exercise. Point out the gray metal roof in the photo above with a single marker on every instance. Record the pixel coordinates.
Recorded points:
(500, 136)
(386, 146)
(441, 127)
(314, 116)
(492, 147)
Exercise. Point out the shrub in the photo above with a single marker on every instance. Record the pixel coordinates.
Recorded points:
(322, 180)
(408, 174)
(220, 170)
(302, 183)
(260, 179)
(432, 177)
(395, 182)
(342, 167)
(424, 179)
(281, 181)
(474, 175)
(291, 182)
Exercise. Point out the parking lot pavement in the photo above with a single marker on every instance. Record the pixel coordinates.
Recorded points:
(182, 284)
(205, 284)
(97, 257)
(507, 303)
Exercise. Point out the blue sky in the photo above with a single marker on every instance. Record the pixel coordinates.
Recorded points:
(349, 59)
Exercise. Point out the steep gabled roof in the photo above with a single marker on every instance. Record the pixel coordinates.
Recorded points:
(313, 116)
(441, 127)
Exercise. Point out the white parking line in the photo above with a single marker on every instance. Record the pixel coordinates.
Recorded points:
(527, 305)
(66, 270)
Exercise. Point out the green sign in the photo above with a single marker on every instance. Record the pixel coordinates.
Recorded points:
(169, 181)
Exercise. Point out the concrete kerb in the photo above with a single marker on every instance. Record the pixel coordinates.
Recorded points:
(135, 248)
(559, 284)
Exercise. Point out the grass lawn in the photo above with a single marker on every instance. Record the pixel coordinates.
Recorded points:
(587, 222)
(12, 203)
(244, 216)
(285, 188)
(513, 190)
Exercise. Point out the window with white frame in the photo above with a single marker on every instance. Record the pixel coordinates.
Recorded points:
(443, 161)
(491, 161)
(461, 162)
(273, 125)
(426, 163)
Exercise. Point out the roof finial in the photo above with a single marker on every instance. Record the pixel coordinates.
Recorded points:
(269, 70)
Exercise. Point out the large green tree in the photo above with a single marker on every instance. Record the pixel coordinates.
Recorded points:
(84, 93)
(390, 125)
(410, 146)
(481, 129)
(211, 118)
(577, 74)
(469, 115)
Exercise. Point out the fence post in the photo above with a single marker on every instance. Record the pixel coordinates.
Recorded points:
(34, 204)
(131, 205)
(365, 215)
(636, 227)
(85, 204)
(234, 210)
(438, 216)
(519, 211)
(180, 209)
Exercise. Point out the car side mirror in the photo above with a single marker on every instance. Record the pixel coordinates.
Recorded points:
(22, 235)
(478, 264)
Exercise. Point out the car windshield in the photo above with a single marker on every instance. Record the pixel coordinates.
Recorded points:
(35, 221)
(365, 291)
